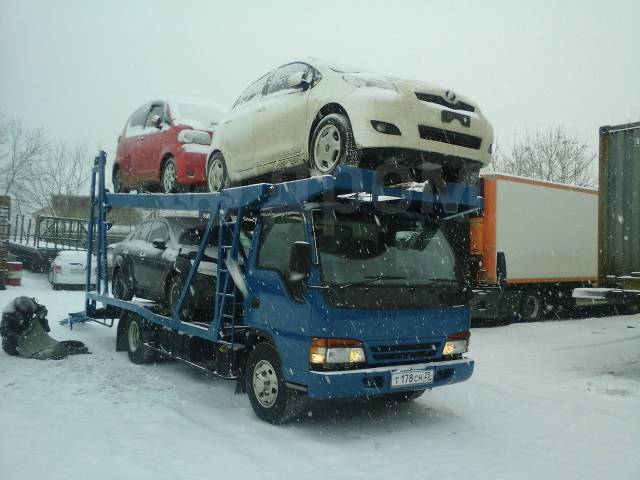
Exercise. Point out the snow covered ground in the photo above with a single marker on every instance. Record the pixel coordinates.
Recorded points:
(557, 399)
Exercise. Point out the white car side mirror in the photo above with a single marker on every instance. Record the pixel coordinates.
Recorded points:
(296, 80)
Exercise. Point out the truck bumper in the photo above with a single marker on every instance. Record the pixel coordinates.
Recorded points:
(377, 381)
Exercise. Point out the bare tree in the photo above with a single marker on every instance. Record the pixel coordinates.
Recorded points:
(62, 176)
(21, 156)
(550, 155)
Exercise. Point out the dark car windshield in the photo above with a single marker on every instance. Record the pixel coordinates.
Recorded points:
(400, 250)
(193, 236)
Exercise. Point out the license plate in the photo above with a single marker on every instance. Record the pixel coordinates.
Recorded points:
(77, 270)
(403, 378)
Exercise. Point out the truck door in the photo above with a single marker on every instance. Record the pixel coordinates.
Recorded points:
(275, 308)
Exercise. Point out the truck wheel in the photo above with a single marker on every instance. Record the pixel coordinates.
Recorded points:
(121, 284)
(531, 306)
(332, 144)
(138, 333)
(271, 399)
(217, 175)
(169, 176)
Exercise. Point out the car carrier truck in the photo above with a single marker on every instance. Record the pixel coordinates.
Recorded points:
(618, 221)
(326, 287)
(532, 244)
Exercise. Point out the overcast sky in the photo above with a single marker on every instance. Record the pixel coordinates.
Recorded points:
(79, 68)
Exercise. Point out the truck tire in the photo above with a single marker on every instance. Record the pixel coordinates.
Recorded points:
(332, 144)
(139, 333)
(271, 399)
(532, 306)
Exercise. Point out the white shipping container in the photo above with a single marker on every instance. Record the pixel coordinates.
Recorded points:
(547, 231)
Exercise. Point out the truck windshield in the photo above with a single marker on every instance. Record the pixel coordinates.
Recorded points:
(377, 249)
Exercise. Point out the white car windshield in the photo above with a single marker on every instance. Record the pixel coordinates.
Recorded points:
(203, 115)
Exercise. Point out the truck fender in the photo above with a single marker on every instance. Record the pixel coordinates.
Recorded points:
(253, 337)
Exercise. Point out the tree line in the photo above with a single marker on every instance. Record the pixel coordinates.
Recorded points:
(48, 177)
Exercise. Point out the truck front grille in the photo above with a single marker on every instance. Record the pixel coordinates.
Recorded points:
(427, 97)
(450, 137)
(404, 354)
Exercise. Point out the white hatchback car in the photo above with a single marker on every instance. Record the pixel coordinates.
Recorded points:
(69, 269)
(316, 115)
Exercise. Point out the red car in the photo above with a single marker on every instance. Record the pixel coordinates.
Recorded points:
(164, 146)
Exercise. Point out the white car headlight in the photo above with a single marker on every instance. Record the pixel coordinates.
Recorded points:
(369, 80)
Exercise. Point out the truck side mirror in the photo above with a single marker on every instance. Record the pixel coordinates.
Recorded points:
(501, 269)
(300, 262)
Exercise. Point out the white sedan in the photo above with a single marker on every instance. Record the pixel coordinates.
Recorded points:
(317, 115)
(69, 269)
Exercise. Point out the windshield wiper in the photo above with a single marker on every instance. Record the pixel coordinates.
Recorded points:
(371, 280)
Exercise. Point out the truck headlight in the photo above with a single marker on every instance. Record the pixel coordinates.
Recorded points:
(456, 344)
(336, 353)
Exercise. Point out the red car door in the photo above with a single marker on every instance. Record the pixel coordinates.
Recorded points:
(152, 142)
(128, 146)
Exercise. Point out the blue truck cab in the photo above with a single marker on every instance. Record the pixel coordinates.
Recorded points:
(354, 302)
(327, 287)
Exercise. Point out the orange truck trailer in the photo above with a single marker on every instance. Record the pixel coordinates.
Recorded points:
(533, 243)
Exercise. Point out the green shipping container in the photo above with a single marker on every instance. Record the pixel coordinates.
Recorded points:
(619, 207)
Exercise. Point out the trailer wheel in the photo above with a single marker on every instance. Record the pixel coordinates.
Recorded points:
(139, 333)
(532, 306)
(332, 144)
(271, 399)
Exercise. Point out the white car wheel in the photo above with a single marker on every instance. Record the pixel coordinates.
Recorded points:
(326, 150)
(332, 145)
(217, 177)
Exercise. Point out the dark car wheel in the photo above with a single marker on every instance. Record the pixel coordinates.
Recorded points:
(217, 175)
(269, 395)
(332, 144)
(139, 332)
(122, 284)
(118, 186)
(172, 297)
(169, 176)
